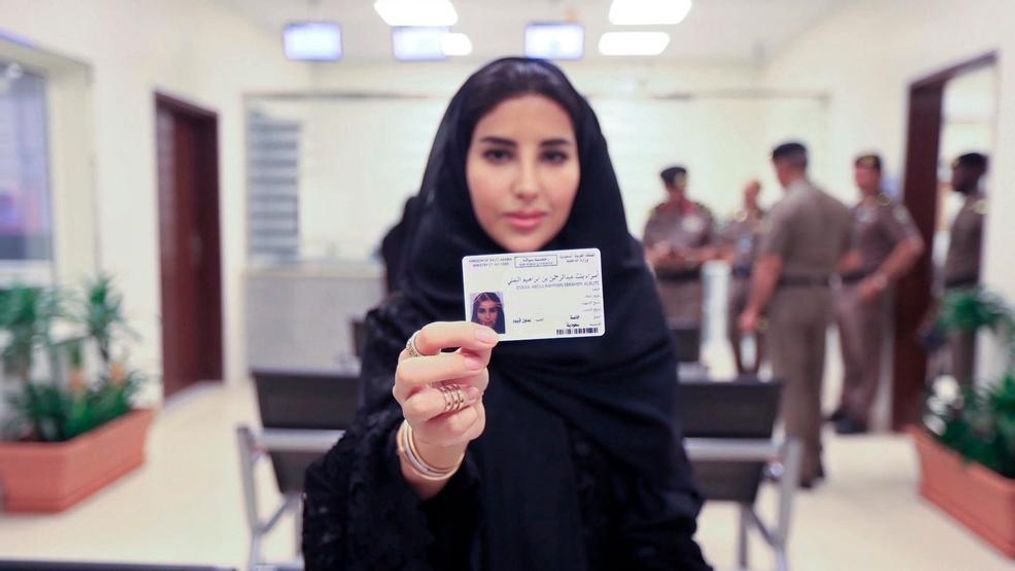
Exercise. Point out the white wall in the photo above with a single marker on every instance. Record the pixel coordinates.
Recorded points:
(866, 55)
(842, 87)
(710, 117)
(193, 49)
(367, 137)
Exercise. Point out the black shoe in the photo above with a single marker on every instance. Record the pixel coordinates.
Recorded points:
(849, 426)
(837, 415)
(812, 482)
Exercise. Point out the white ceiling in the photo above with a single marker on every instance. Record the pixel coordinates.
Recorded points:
(715, 30)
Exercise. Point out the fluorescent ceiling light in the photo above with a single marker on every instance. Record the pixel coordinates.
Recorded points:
(633, 43)
(456, 44)
(648, 12)
(427, 44)
(417, 12)
(313, 41)
(555, 41)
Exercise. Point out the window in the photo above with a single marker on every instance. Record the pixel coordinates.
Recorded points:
(273, 147)
(26, 250)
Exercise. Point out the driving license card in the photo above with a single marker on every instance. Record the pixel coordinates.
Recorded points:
(538, 295)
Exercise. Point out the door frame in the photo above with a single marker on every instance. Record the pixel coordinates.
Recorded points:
(920, 196)
(210, 349)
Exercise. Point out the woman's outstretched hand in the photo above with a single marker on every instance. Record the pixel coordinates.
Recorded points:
(441, 393)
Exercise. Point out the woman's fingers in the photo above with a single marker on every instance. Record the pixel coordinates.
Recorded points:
(455, 428)
(405, 393)
(434, 337)
(432, 402)
(420, 372)
(480, 381)
(438, 416)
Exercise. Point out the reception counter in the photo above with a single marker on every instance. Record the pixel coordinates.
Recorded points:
(299, 316)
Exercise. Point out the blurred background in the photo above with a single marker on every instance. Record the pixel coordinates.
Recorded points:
(233, 165)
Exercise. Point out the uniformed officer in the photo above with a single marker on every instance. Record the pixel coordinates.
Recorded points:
(962, 263)
(888, 244)
(678, 240)
(740, 238)
(808, 237)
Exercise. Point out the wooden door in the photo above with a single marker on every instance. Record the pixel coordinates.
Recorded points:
(920, 195)
(914, 289)
(189, 243)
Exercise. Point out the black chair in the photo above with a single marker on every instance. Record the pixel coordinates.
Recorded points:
(21, 565)
(728, 428)
(686, 340)
(359, 337)
(303, 414)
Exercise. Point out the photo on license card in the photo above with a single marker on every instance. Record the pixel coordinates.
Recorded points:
(537, 295)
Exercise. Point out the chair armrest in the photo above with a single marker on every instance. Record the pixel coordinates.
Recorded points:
(296, 440)
(732, 449)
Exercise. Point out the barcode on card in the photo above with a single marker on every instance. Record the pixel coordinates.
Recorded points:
(578, 331)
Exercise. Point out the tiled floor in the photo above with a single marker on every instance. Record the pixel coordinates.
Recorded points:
(185, 505)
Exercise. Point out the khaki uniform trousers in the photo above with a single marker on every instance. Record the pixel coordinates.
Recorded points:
(861, 337)
(962, 349)
(798, 319)
(682, 300)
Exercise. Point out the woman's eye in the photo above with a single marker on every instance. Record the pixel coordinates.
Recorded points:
(555, 157)
(497, 155)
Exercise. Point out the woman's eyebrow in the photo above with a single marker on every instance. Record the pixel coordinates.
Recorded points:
(498, 141)
(556, 143)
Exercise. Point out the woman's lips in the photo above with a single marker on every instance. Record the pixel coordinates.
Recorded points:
(525, 220)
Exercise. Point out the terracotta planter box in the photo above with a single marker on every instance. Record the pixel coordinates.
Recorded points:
(51, 477)
(983, 500)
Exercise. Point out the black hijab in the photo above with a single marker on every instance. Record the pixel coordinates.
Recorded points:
(616, 390)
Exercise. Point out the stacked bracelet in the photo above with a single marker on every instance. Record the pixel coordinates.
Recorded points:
(407, 449)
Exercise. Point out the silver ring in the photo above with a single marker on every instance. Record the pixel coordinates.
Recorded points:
(410, 346)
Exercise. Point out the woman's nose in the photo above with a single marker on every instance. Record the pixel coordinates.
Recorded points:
(527, 184)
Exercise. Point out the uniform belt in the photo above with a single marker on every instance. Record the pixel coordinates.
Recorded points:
(741, 271)
(961, 281)
(803, 281)
(678, 275)
(853, 278)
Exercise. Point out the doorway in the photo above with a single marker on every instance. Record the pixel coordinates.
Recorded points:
(189, 243)
(922, 196)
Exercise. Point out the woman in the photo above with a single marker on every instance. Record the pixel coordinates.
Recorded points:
(536, 455)
(488, 310)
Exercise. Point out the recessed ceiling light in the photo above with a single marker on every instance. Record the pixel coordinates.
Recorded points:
(417, 12)
(648, 12)
(456, 44)
(313, 41)
(564, 40)
(428, 44)
(633, 43)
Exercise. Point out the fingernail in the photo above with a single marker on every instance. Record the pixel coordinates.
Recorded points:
(472, 393)
(486, 335)
(473, 363)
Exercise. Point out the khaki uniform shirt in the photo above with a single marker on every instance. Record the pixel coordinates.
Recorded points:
(879, 224)
(681, 229)
(743, 233)
(809, 230)
(962, 264)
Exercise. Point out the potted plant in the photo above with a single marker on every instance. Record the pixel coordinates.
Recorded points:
(967, 444)
(71, 434)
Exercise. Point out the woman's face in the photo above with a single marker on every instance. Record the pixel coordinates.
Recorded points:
(487, 313)
(523, 172)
